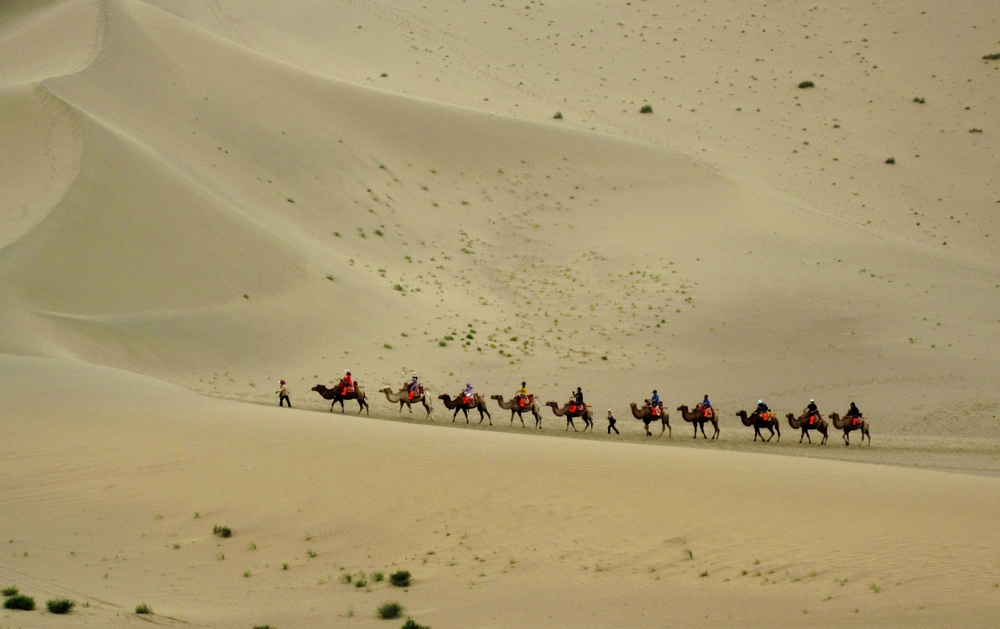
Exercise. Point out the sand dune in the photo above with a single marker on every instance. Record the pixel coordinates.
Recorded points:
(199, 198)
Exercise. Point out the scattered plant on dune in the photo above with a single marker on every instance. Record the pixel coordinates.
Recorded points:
(992, 57)
(688, 553)
(805, 84)
(60, 605)
(263, 627)
(646, 109)
(11, 591)
(919, 99)
(390, 610)
(143, 608)
(975, 130)
(558, 115)
(400, 578)
(222, 531)
(345, 578)
(20, 602)
(411, 624)
(378, 576)
(891, 160)
(875, 587)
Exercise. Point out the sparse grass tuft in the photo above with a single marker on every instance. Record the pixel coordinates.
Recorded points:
(59, 605)
(875, 587)
(390, 610)
(646, 109)
(400, 578)
(919, 99)
(378, 576)
(143, 608)
(345, 578)
(558, 115)
(704, 573)
(992, 57)
(891, 160)
(411, 624)
(263, 627)
(688, 553)
(19, 601)
(312, 553)
(975, 130)
(222, 531)
(11, 591)
(806, 84)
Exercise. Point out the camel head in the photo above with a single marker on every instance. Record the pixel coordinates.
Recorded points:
(741, 414)
(552, 404)
(498, 398)
(683, 408)
(319, 388)
(789, 416)
(385, 390)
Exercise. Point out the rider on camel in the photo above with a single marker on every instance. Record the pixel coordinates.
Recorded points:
(576, 401)
(414, 387)
(467, 393)
(762, 409)
(655, 404)
(812, 411)
(706, 407)
(348, 383)
(854, 412)
(521, 398)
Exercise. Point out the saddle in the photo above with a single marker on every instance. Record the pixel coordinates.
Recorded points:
(855, 421)
(708, 412)
(656, 411)
(412, 393)
(526, 401)
(574, 407)
(813, 418)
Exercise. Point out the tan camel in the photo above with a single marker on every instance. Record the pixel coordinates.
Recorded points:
(337, 395)
(803, 422)
(402, 397)
(584, 413)
(698, 419)
(514, 407)
(758, 422)
(645, 415)
(847, 425)
(475, 403)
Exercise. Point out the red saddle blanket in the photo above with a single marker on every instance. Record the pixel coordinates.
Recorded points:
(813, 419)
(856, 421)
(525, 402)
(656, 411)
(414, 394)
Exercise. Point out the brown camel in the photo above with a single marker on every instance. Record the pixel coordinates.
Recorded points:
(758, 422)
(803, 423)
(514, 407)
(698, 419)
(476, 403)
(584, 413)
(403, 397)
(336, 394)
(645, 415)
(847, 425)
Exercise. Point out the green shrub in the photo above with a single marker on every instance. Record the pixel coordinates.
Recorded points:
(804, 84)
(19, 601)
(992, 57)
(558, 115)
(11, 591)
(390, 610)
(400, 578)
(919, 100)
(60, 605)
(646, 109)
(377, 576)
(143, 608)
(263, 627)
(222, 531)
(891, 160)
(410, 624)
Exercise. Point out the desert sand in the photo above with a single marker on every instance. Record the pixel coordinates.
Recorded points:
(198, 198)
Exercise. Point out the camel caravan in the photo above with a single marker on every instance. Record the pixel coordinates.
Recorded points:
(650, 413)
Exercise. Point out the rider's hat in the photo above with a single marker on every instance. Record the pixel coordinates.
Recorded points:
(812, 401)
(760, 401)
(524, 384)
(281, 382)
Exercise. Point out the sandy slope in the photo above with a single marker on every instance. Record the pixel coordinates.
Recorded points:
(498, 530)
(218, 194)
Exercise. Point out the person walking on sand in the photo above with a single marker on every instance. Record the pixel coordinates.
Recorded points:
(283, 394)
(611, 422)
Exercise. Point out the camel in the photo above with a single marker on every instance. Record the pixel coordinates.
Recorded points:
(758, 422)
(803, 423)
(645, 415)
(403, 397)
(514, 407)
(476, 403)
(698, 419)
(847, 425)
(584, 413)
(335, 394)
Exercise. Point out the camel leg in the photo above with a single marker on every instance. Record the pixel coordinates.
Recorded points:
(569, 422)
(847, 440)
(756, 431)
(806, 433)
(702, 426)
